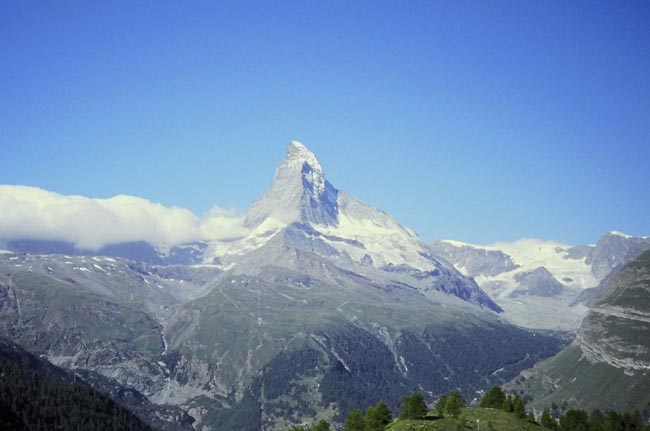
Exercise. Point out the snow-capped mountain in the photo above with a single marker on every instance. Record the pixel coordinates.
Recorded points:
(302, 209)
(341, 224)
(539, 283)
(318, 304)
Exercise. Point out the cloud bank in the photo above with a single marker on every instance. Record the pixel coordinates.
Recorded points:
(31, 212)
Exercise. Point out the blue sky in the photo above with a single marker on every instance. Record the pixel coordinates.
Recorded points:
(478, 121)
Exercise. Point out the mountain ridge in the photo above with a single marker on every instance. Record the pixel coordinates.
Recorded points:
(606, 366)
(566, 276)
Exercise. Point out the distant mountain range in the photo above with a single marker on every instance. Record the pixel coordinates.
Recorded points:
(607, 365)
(317, 305)
(543, 284)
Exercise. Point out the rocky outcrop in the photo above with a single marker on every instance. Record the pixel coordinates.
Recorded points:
(606, 366)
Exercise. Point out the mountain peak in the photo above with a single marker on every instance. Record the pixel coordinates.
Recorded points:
(298, 154)
(297, 149)
(299, 192)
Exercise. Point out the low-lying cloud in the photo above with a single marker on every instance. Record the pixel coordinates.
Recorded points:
(31, 212)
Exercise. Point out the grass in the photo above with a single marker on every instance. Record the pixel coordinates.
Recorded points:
(501, 421)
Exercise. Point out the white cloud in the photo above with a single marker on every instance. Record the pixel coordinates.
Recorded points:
(30, 212)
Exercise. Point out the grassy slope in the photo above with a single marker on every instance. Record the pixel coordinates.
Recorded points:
(570, 377)
(501, 421)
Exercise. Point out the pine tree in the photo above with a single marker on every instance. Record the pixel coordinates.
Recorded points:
(531, 417)
(613, 422)
(321, 425)
(596, 421)
(413, 407)
(547, 421)
(507, 404)
(518, 407)
(355, 421)
(384, 413)
(574, 420)
(493, 399)
(636, 421)
(454, 404)
(441, 405)
(373, 421)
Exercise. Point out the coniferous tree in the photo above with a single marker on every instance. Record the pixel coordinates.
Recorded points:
(355, 421)
(321, 425)
(373, 421)
(531, 417)
(413, 407)
(384, 413)
(441, 405)
(454, 404)
(574, 420)
(547, 421)
(596, 421)
(518, 407)
(508, 404)
(493, 399)
(636, 421)
(613, 422)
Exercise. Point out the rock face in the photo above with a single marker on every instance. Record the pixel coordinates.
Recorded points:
(474, 261)
(538, 282)
(617, 328)
(608, 363)
(299, 192)
(615, 249)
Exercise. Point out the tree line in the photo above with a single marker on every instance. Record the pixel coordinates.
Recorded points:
(450, 406)
(570, 420)
(32, 401)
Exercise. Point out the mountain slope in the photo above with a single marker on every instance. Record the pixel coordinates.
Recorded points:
(99, 317)
(364, 336)
(607, 366)
(284, 336)
(35, 395)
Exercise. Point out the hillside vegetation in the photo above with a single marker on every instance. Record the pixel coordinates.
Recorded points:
(497, 411)
(476, 419)
(32, 400)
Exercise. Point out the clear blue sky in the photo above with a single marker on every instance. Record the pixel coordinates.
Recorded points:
(478, 121)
